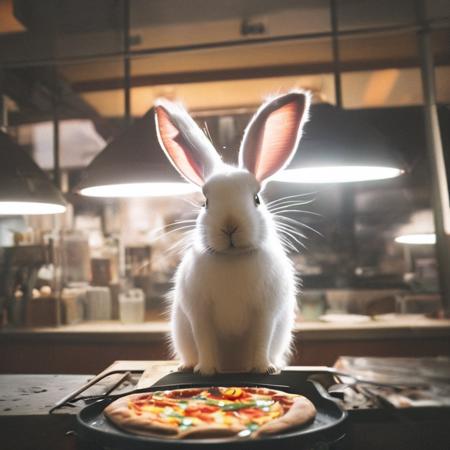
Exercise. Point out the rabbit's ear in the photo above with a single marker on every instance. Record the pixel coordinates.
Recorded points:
(184, 143)
(272, 136)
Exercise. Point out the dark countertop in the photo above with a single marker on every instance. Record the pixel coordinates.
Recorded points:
(25, 423)
(25, 401)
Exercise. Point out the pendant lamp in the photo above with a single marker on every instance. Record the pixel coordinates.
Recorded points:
(133, 165)
(339, 146)
(24, 187)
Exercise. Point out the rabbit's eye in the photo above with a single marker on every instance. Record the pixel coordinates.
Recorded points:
(256, 199)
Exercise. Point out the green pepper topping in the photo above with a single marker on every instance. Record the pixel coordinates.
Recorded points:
(252, 426)
(236, 406)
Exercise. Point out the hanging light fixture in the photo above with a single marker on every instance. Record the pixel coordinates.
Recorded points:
(133, 165)
(338, 146)
(419, 230)
(24, 187)
(417, 239)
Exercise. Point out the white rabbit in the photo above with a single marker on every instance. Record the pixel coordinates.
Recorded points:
(234, 300)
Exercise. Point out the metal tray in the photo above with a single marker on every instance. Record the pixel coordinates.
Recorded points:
(327, 427)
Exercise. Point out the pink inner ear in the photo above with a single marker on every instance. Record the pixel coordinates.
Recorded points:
(177, 150)
(276, 140)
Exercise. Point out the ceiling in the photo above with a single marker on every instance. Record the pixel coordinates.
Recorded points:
(70, 53)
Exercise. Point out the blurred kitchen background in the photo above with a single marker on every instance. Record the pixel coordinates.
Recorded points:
(79, 76)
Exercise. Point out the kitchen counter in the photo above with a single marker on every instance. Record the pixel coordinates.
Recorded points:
(25, 401)
(88, 347)
(157, 329)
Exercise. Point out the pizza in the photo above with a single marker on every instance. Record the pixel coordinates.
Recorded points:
(212, 412)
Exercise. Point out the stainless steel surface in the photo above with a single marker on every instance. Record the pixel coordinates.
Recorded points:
(440, 195)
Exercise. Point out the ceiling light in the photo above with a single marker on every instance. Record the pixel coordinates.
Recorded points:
(423, 239)
(337, 174)
(133, 165)
(24, 187)
(24, 208)
(139, 190)
(418, 230)
(338, 146)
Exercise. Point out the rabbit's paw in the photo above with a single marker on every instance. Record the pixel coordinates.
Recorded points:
(205, 369)
(272, 370)
(266, 369)
(185, 368)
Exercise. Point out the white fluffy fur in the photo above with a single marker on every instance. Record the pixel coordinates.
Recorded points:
(233, 308)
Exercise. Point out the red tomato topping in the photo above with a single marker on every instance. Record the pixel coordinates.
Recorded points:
(282, 398)
(182, 394)
(164, 402)
(253, 412)
(195, 410)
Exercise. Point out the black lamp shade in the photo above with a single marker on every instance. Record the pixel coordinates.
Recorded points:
(340, 146)
(135, 156)
(22, 181)
(335, 136)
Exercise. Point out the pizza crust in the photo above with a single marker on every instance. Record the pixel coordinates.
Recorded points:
(301, 411)
(119, 413)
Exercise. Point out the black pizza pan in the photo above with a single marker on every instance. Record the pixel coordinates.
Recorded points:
(327, 426)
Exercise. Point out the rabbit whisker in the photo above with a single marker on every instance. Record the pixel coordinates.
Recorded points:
(301, 224)
(294, 200)
(295, 211)
(166, 233)
(289, 231)
(289, 209)
(287, 200)
(181, 221)
(289, 203)
(291, 235)
(165, 227)
(184, 243)
(290, 196)
(287, 245)
(292, 230)
(304, 225)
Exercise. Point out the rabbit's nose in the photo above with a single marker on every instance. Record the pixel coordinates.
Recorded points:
(229, 229)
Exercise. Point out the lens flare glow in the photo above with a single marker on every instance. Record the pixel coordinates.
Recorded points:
(29, 208)
(139, 190)
(337, 174)
(417, 239)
